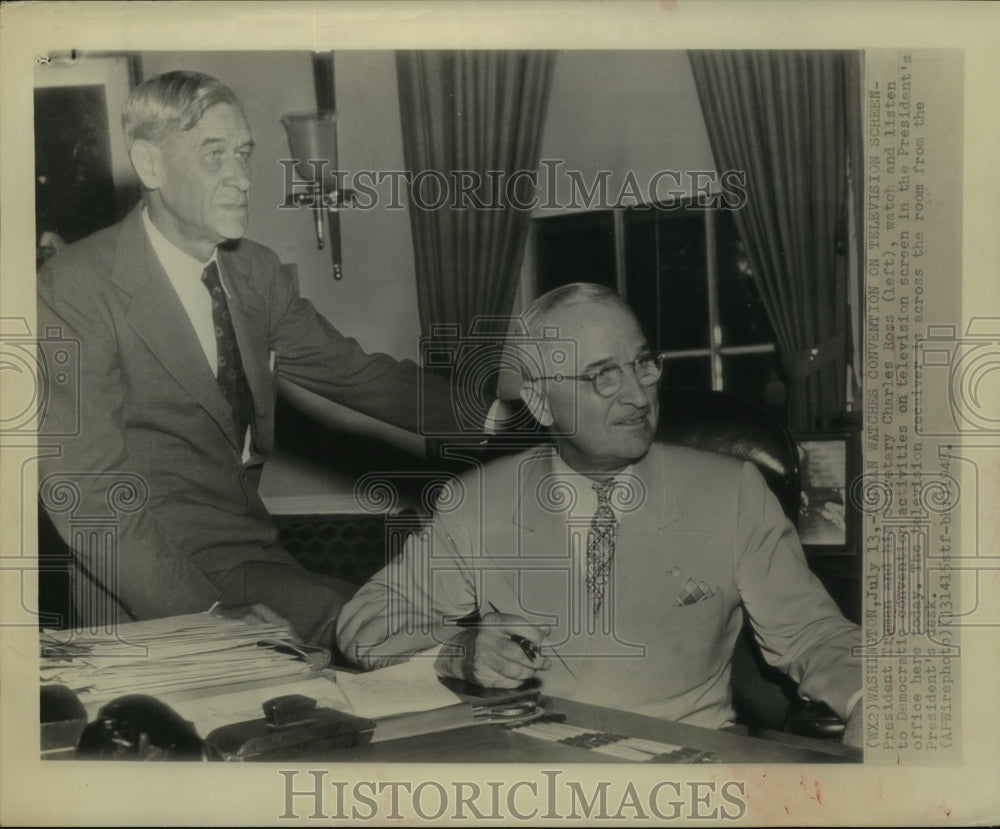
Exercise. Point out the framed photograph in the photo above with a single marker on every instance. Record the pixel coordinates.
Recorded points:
(829, 463)
(83, 178)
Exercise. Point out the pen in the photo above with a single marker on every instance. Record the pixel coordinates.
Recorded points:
(530, 650)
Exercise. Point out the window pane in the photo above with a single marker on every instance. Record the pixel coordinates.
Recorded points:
(687, 372)
(579, 247)
(642, 287)
(741, 313)
(756, 377)
(683, 279)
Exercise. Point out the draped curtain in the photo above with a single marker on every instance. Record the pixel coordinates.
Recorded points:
(472, 126)
(783, 118)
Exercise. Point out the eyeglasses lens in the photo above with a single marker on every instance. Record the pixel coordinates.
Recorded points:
(609, 379)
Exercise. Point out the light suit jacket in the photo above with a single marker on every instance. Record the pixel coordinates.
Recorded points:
(143, 438)
(510, 533)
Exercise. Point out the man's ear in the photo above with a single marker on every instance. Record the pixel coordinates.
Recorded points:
(147, 159)
(536, 401)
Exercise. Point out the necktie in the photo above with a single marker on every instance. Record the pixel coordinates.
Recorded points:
(230, 377)
(601, 540)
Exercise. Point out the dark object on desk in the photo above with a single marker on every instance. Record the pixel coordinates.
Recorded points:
(63, 719)
(293, 728)
(815, 720)
(139, 727)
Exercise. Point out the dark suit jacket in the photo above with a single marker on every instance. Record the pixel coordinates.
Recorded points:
(145, 441)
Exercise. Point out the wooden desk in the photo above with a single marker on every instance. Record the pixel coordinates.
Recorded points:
(493, 744)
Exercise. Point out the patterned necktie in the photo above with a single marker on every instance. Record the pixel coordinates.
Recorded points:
(229, 375)
(601, 541)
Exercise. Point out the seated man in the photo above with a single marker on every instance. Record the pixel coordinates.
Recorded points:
(625, 558)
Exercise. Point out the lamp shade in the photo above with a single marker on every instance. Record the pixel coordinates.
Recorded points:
(312, 135)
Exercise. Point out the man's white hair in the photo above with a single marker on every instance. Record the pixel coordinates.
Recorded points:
(542, 310)
(170, 103)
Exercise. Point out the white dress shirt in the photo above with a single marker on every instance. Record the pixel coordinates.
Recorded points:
(184, 273)
(586, 503)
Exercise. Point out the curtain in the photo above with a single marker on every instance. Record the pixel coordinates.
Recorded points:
(855, 231)
(782, 118)
(472, 127)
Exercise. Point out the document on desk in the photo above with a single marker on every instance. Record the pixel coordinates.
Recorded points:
(399, 689)
(172, 655)
(407, 688)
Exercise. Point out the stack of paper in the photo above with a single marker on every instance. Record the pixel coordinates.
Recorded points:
(171, 655)
(405, 700)
(404, 688)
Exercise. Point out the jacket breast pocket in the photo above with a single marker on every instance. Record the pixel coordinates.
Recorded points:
(694, 631)
(684, 646)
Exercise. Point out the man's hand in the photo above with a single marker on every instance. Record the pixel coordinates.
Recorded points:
(257, 613)
(489, 656)
(854, 728)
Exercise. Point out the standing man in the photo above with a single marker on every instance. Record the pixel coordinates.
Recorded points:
(184, 327)
(620, 563)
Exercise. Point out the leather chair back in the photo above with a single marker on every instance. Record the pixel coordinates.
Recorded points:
(722, 422)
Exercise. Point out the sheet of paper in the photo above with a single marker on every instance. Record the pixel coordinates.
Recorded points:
(399, 689)
(209, 713)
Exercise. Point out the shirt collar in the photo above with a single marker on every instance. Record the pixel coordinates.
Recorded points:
(564, 470)
(583, 486)
(176, 262)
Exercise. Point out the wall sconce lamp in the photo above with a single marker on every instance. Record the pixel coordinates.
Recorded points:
(312, 138)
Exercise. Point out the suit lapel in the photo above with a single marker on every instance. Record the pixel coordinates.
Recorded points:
(528, 540)
(528, 513)
(159, 319)
(646, 540)
(661, 483)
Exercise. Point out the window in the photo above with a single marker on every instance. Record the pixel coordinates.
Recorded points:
(685, 273)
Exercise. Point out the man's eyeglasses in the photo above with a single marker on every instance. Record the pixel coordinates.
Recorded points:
(608, 380)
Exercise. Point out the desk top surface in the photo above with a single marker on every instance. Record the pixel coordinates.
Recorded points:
(493, 744)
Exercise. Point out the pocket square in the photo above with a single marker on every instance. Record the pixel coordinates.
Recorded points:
(693, 592)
